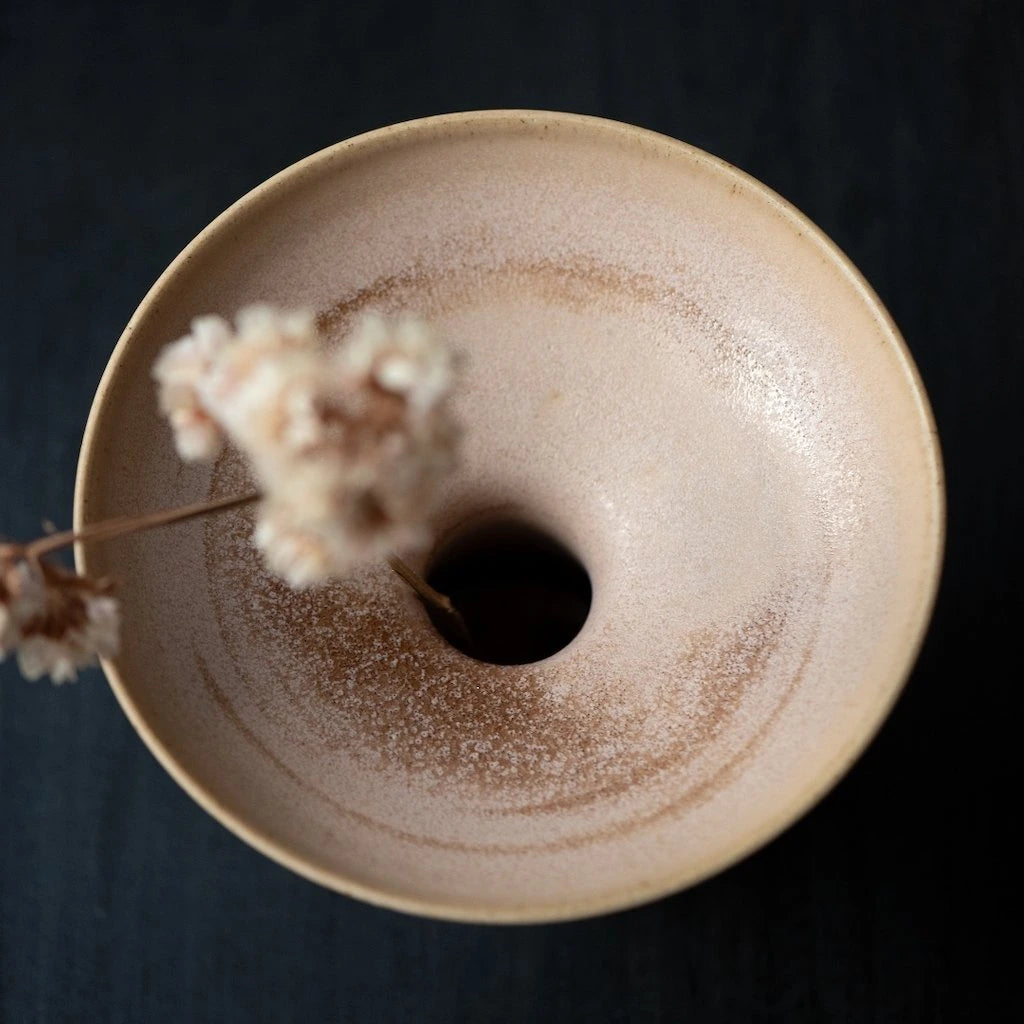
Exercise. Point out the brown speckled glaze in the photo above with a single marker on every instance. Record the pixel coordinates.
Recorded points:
(669, 369)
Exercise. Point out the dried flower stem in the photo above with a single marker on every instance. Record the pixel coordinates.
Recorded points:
(121, 526)
(421, 586)
(427, 593)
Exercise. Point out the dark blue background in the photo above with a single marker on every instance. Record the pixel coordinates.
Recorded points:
(126, 128)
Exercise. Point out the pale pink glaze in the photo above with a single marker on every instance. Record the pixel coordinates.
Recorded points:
(666, 367)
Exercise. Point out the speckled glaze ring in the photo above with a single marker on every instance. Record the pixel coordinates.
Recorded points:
(668, 369)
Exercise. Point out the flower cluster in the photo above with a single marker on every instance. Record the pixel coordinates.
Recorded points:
(348, 446)
(57, 621)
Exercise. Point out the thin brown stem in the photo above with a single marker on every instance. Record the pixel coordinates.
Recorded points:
(440, 602)
(121, 525)
(421, 586)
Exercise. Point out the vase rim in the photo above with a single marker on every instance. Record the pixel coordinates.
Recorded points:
(480, 121)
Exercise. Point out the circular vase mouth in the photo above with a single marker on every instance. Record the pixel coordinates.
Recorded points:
(173, 689)
(521, 594)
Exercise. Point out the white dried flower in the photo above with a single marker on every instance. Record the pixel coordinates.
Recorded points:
(267, 404)
(8, 631)
(301, 550)
(322, 518)
(10, 635)
(351, 454)
(78, 647)
(348, 446)
(21, 597)
(179, 370)
(185, 370)
(57, 621)
(404, 358)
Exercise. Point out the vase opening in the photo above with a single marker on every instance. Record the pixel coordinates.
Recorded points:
(522, 594)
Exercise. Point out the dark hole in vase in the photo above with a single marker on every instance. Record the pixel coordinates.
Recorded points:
(522, 595)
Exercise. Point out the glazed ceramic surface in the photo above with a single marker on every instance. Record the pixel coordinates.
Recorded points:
(666, 367)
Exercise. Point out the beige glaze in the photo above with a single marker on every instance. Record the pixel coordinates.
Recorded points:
(667, 367)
